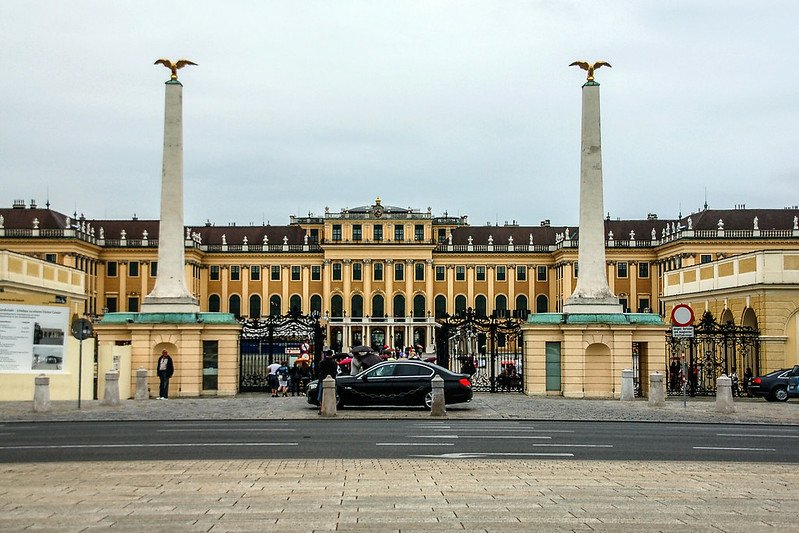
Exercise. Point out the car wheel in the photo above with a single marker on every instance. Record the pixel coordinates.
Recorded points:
(780, 394)
(428, 400)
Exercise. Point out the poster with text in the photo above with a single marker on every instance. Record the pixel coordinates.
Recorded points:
(32, 338)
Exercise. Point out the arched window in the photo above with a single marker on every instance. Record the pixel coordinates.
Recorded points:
(295, 304)
(234, 305)
(214, 303)
(255, 306)
(399, 306)
(541, 304)
(501, 306)
(274, 305)
(378, 306)
(480, 305)
(418, 306)
(460, 304)
(440, 304)
(521, 306)
(337, 306)
(357, 306)
(316, 304)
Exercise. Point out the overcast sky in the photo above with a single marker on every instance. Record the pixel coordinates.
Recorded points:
(466, 107)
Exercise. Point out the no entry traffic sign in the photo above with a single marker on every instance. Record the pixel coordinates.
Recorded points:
(682, 315)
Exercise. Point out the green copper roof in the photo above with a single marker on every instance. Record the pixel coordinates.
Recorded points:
(590, 83)
(168, 318)
(610, 318)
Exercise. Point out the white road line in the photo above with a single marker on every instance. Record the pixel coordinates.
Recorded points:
(734, 449)
(521, 430)
(764, 435)
(541, 437)
(201, 430)
(414, 444)
(477, 455)
(154, 445)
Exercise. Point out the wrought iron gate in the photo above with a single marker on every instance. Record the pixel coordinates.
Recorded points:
(715, 349)
(272, 340)
(488, 347)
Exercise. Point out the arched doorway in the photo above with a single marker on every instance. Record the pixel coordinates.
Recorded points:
(598, 382)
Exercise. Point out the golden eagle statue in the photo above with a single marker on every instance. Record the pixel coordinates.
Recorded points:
(585, 65)
(174, 66)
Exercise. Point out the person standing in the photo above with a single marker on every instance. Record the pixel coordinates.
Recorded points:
(327, 367)
(164, 368)
(272, 378)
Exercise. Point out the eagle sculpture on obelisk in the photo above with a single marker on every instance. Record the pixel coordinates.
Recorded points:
(590, 67)
(174, 66)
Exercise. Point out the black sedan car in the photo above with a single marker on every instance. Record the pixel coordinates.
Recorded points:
(774, 385)
(397, 383)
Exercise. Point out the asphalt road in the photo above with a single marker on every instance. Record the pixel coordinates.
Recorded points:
(368, 439)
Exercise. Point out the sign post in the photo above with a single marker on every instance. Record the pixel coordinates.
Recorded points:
(81, 329)
(682, 318)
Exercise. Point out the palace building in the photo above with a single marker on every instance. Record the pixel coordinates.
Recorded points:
(382, 275)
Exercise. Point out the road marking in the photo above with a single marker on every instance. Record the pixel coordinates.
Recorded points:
(734, 449)
(529, 430)
(477, 455)
(154, 445)
(478, 437)
(768, 436)
(414, 444)
(220, 429)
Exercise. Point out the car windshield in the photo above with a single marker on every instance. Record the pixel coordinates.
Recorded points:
(381, 371)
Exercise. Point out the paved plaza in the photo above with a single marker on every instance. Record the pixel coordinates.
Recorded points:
(401, 495)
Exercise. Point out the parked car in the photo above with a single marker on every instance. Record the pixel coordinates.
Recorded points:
(401, 382)
(774, 385)
(793, 386)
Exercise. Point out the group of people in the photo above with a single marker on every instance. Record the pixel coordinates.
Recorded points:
(284, 378)
(677, 379)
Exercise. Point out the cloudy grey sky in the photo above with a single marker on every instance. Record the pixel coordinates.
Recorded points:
(466, 107)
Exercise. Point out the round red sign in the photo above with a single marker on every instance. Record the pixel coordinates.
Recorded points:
(682, 315)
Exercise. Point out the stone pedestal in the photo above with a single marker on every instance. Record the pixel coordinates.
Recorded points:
(142, 391)
(627, 385)
(657, 390)
(41, 394)
(439, 407)
(111, 392)
(328, 407)
(724, 403)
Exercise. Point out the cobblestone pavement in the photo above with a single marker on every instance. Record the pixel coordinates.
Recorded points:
(396, 496)
(484, 406)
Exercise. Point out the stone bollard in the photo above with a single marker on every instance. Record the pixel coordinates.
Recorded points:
(41, 394)
(439, 406)
(724, 402)
(657, 390)
(111, 393)
(627, 386)
(142, 390)
(328, 397)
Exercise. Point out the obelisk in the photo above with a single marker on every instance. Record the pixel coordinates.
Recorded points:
(171, 295)
(592, 293)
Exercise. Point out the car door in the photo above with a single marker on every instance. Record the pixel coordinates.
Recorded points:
(374, 386)
(412, 383)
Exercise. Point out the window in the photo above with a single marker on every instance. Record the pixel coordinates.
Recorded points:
(316, 273)
(377, 269)
(234, 305)
(440, 273)
(255, 306)
(133, 269)
(111, 304)
(418, 232)
(501, 305)
(336, 271)
(214, 273)
(399, 306)
(235, 273)
(418, 272)
(460, 273)
(643, 270)
(399, 232)
(621, 269)
(314, 236)
(214, 303)
(440, 304)
(624, 308)
(399, 271)
(295, 304)
(521, 306)
(460, 304)
(480, 273)
(316, 304)
(111, 269)
(644, 305)
(541, 304)
(705, 258)
(541, 273)
(51, 258)
(133, 304)
(378, 306)
(480, 306)
(357, 306)
(295, 273)
(275, 276)
(336, 232)
(274, 305)
(357, 232)
(337, 306)
(442, 235)
(418, 306)
(501, 273)
(521, 273)
(153, 269)
(255, 273)
(357, 271)
(378, 232)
